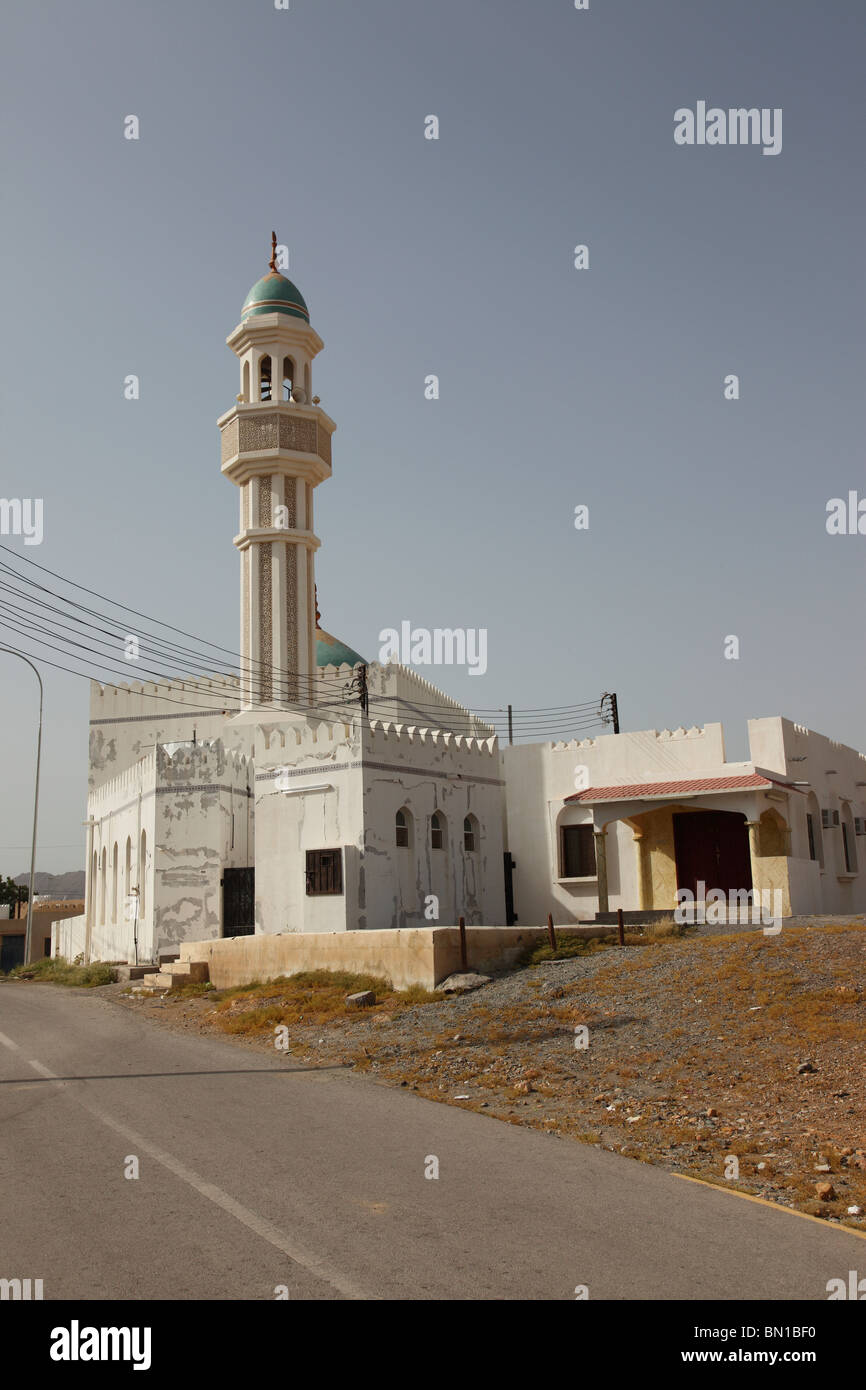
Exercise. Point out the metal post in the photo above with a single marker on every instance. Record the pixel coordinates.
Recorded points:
(28, 932)
(550, 931)
(135, 919)
(461, 923)
(510, 729)
(614, 708)
(620, 926)
(90, 900)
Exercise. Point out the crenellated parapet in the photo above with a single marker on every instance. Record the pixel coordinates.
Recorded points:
(202, 763)
(204, 694)
(313, 738)
(123, 786)
(387, 733)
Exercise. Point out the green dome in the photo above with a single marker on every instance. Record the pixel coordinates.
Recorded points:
(274, 294)
(330, 652)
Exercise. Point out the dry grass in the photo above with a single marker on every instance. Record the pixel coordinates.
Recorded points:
(313, 997)
(55, 970)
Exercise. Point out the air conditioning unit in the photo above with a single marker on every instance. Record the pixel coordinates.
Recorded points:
(829, 818)
(859, 825)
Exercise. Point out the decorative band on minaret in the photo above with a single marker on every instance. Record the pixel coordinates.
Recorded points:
(276, 447)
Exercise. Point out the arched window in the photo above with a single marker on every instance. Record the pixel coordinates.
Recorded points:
(265, 379)
(288, 378)
(102, 877)
(470, 834)
(814, 832)
(142, 874)
(849, 849)
(127, 868)
(114, 883)
(402, 827)
(437, 830)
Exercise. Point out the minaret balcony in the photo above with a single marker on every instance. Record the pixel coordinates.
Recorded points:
(277, 436)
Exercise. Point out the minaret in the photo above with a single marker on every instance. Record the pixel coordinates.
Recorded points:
(276, 446)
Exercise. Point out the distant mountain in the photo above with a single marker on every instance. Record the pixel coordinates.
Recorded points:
(69, 885)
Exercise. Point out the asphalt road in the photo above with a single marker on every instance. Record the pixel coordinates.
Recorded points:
(256, 1173)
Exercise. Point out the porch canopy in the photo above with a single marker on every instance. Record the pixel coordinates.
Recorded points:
(642, 792)
(746, 793)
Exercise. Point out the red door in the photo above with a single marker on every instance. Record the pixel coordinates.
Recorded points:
(712, 846)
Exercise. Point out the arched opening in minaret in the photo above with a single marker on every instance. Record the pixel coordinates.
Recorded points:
(265, 379)
(288, 378)
(245, 386)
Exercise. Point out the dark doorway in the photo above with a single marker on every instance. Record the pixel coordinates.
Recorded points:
(11, 952)
(712, 846)
(510, 914)
(239, 902)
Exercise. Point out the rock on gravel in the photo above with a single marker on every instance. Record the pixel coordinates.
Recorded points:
(462, 984)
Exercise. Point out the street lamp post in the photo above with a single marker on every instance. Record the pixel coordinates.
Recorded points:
(28, 932)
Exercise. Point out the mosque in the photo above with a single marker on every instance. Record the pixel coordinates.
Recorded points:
(319, 792)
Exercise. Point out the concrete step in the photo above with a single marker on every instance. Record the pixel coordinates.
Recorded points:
(161, 980)
(187, 971)
(134, 972)
(166, 957)
(197, 970)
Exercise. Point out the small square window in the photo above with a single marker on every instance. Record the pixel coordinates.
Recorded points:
(324, 872)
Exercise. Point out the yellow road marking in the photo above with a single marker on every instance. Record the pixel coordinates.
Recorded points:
(776, 1206)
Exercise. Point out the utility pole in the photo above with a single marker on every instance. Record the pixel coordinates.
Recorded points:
(612, 717)
(358, 686)
(510, 729)
(90, 903)
(28, 932)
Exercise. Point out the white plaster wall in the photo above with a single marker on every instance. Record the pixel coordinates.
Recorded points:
(203, 823)
(309, 795)
(68, 937)
(127, 721)
(427, 771)
(837, 776)
(123, 806)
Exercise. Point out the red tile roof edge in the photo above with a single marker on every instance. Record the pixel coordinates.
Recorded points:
(639, 791)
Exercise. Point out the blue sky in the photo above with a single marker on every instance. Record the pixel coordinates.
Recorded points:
(455, 257)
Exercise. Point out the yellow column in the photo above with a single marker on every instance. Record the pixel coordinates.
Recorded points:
(641, 886)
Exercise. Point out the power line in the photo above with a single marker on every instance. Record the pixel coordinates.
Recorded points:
(537, 722)
(200, 658)
(179, 651)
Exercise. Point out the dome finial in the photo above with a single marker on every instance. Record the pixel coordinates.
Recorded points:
(273, 261)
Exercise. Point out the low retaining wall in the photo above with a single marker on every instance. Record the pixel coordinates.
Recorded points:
(416, 956)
